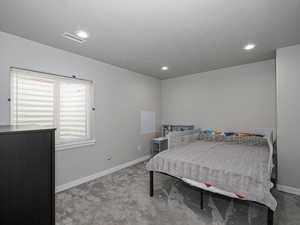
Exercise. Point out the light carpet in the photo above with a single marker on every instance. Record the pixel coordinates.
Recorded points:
(122, 198)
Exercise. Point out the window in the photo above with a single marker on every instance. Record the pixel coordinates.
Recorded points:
(56, 101)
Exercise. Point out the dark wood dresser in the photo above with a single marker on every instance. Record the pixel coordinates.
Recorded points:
(27, 185)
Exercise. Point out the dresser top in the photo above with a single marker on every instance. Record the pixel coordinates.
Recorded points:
(20, 128)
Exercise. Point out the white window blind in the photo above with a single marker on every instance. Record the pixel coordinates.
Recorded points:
(49, 100)
(73, 116)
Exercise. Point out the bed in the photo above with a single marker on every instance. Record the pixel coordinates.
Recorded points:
(235, 166)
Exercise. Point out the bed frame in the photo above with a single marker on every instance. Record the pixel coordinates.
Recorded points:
(270, 214)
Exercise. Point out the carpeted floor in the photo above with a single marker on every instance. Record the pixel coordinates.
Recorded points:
(122, 198)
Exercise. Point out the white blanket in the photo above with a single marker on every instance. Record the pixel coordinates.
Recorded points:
(232, 167)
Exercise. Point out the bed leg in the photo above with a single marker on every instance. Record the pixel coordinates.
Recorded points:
(270, 216)
(201, 201)
(151, 183)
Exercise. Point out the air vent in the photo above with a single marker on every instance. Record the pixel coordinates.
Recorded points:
(73, 37)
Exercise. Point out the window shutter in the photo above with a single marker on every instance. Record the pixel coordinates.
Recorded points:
(74, 111)
(32, 99)
(52, 100)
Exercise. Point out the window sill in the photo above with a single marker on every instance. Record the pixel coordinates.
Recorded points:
(68, 146)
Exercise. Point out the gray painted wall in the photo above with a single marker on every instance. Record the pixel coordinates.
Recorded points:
(241, 97)
(236, 97)
(119, 97)
(288, 115)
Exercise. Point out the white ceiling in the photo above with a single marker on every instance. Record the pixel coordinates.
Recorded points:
(189, 36)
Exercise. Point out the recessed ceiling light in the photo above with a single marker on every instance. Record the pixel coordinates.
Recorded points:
(164, 68)
(249, 46)
(82, 34)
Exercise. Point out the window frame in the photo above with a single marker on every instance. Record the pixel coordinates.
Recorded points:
(60, 146)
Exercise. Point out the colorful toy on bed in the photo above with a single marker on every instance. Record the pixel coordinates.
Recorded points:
(207, 131)
(216, 132)
(248, 134)
(229, 133)
(234, 137)
(243, 134)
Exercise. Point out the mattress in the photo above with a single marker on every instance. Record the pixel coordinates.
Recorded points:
(238, 169)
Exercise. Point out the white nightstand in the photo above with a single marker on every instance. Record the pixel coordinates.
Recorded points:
(158, 145)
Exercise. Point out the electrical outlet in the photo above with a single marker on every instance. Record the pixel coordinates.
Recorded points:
(109, 157)
(139, 148)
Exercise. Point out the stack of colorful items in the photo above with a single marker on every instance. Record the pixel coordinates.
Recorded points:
(216, 132)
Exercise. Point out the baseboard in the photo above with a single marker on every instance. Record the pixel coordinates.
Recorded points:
(99, 174)
(288, 189)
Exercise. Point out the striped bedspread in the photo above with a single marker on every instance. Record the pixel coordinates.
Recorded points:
(235, 168)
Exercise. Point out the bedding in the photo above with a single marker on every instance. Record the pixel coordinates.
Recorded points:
(239, 168)
(209, 187)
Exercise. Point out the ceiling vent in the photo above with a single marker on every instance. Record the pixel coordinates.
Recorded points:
(73, 37)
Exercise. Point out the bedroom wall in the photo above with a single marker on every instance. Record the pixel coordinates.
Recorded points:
(240, 97)
(119, 96)
(288, 117)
